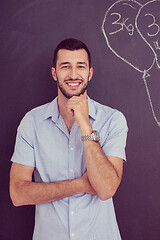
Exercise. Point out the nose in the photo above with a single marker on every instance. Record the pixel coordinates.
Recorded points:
(73, 74)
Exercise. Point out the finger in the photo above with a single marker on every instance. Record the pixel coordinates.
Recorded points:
(71, 108)
(82, 96)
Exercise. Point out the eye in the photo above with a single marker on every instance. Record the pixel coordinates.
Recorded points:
(65, 66)
(81, 67)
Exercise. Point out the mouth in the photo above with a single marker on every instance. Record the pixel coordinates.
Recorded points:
(73, 84)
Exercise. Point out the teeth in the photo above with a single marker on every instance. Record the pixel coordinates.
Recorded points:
(73, 84)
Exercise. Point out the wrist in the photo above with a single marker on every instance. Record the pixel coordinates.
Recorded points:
(86, 130)
(94, 136)
(80, 185)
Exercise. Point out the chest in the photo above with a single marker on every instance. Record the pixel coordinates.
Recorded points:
(58, 154)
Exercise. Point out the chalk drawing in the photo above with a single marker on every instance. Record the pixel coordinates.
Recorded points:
(128, 26)
(151, 32)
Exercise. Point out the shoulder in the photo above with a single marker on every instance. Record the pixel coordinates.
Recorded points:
(112, 127)
(38, 114)
(107, 121)
(101, 111)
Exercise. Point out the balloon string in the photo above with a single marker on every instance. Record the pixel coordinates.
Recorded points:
(150, 101)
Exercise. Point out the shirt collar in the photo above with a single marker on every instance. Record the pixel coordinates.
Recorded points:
(53, 112)
(92, 109)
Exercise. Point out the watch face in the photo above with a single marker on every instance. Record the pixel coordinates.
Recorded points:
(95, 135)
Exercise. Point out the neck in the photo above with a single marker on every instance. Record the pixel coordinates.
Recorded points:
(62, 105)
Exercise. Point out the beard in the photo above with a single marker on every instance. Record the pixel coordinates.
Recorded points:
(69, 95)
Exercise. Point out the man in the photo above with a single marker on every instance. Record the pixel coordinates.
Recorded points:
(75, 147)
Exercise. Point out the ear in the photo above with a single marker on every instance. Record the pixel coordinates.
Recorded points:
(54, 75)
(90, 73)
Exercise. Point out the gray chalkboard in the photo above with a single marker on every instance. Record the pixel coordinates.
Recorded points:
(124, 40)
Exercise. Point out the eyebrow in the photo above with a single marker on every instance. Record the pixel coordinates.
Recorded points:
(82, 63)
(64, 63)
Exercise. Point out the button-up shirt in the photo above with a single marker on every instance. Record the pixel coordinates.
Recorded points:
(43, 141)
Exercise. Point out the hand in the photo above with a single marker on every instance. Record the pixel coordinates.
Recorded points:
(78, 106)
(87, 186)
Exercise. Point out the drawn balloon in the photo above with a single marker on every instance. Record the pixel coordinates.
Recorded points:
(148, 26)
(132, 32)
(121, 36)
(147, 23)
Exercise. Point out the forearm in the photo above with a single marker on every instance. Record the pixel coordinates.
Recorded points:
(101, 172)
(103, 175)
(31, 193)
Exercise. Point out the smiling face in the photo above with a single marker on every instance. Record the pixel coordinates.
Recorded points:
(72, 72)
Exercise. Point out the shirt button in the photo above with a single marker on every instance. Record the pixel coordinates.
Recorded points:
(72, 212)
(71, 148)
(73, 234)
(71, 170)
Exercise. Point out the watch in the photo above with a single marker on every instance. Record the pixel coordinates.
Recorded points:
(94, 136)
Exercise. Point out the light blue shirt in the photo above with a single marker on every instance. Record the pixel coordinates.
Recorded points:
(44, 142)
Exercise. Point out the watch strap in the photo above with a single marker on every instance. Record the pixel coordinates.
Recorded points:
(94, 136)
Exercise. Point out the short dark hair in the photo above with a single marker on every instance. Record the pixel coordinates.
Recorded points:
(71, 44)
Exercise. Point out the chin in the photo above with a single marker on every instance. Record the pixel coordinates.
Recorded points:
(70, 95)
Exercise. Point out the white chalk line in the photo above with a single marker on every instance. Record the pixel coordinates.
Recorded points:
(150, 101)
(145, 72)
(136, 25)
(107, 41)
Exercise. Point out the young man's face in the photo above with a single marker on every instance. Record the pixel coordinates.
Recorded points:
(72, 72)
